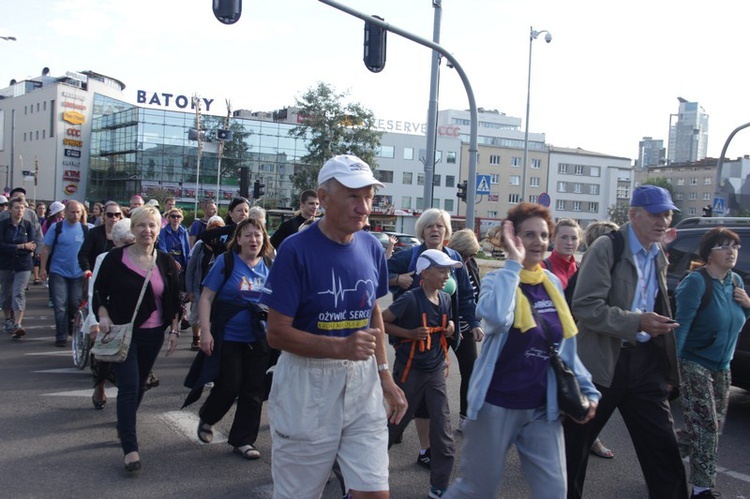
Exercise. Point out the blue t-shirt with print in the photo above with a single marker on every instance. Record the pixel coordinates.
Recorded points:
(520, 377)
(327, 288)
(65, 253)
(245, 284)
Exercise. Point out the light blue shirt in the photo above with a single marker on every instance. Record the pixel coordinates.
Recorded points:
(648, 286)
(65, 253)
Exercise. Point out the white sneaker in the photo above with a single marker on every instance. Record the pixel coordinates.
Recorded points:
(461, 423)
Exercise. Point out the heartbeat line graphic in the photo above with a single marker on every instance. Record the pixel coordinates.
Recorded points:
(338, 291)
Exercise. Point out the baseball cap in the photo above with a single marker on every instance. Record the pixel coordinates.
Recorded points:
(153, 202)
(435, 258)
(3, 200)
(653, 198)
(56, 208)
(348, 169)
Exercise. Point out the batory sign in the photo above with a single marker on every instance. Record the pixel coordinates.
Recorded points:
(74, 117)
(163, 99)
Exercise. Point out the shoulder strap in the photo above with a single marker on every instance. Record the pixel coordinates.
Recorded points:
(708, 292)
(547, 264)
(228, 257)
(618, 245)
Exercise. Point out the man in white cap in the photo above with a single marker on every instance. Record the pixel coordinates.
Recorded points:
(3, 204)
(326, 402)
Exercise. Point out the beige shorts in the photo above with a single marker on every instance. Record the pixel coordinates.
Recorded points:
(323, 410)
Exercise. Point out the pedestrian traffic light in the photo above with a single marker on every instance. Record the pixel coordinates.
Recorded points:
(258, 189)
(227, 11)
(708, 211)
(462, 189)
(375, 37)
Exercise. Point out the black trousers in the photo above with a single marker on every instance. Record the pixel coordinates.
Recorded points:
(639, 391)
(241, 376)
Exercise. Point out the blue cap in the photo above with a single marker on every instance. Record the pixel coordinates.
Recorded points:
(653, 198)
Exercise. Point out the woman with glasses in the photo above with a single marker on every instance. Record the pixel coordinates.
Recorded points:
(98, 241)
(216, 239)
(706, 337)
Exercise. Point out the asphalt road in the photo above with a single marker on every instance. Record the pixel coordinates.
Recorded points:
(54, 444)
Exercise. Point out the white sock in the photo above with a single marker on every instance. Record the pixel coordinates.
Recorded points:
(697, 490)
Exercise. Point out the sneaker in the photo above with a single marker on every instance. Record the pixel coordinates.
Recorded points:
(184, 324)
(20, 331)
(152, 381)
(50, 304)
(10, 326)
(706, 494)
(436, 493)
(461, 424)
(424, 459)
(196, 344)
(61, 343)
(247, 451)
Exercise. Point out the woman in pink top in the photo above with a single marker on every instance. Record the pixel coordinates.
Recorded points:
(116, 292)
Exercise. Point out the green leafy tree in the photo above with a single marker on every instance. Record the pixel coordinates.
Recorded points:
(618, 213)
(660, 182)
(332, 127)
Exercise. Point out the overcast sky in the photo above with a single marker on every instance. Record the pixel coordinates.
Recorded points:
(611, 75)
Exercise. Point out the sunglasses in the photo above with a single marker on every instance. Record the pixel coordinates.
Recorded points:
(175, 216)
(113, 215)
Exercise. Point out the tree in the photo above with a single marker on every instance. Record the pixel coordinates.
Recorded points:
(331, 128)
(659, 182)
(618, 213)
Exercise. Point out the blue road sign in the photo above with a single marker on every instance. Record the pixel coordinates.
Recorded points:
(718, 207)
(483, 184)
(544, 200)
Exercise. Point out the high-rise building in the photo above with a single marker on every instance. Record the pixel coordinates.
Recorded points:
(651, 152)
(688, 133)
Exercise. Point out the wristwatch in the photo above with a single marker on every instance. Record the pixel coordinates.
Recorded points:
(382, 367)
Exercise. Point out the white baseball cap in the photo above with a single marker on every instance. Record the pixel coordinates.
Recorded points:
(435, 258)
(56, 208)
(3, 200)
(351, 171)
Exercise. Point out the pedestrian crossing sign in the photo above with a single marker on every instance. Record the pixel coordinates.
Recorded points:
(718, 207)
(483, 184)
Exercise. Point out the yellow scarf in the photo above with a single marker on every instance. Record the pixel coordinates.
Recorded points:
(524, 318)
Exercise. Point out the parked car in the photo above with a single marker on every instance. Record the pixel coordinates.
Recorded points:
(684, 249)
(383, 237)
(403, 241)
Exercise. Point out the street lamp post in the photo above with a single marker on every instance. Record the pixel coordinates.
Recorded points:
(533, 34)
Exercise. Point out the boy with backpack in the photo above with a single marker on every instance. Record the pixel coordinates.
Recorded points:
(418, 322)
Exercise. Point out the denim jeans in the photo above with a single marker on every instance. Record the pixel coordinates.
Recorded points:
(131, 381)
(66, 294)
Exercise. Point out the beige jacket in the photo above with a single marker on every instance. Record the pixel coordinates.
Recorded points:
(602, 302)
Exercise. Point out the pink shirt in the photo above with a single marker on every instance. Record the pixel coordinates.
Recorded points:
(157, 285)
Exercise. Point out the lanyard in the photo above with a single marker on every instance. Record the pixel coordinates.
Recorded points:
(644, 275)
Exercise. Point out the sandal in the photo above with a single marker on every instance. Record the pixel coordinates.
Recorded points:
(247, 451)
(598, 449)
(205, 432)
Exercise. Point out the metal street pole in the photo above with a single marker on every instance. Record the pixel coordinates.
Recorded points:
(429, 164)
(532, 36)
(472, 180)
(720, 165)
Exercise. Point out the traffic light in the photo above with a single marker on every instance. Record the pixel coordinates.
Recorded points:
(462, 189)
(708, 211)
(227, 11)
(258, 189)
(375, 38)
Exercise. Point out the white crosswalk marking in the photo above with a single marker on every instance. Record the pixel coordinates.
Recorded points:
(110, 391)
(187, 423)
(66, 370)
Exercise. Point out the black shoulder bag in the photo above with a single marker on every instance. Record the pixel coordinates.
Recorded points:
(569, 397)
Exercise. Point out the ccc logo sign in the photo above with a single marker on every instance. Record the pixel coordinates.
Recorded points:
(450, 131)
(73, 132)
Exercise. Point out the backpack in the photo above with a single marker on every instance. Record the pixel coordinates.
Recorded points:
(708, 291)
(58, 231)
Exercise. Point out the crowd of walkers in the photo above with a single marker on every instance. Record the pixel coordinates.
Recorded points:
(294, 319)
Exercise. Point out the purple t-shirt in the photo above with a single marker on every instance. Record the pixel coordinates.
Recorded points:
(327, 288)
(520, 377)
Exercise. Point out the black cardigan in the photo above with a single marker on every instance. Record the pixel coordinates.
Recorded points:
(94, 244)
(117, 289)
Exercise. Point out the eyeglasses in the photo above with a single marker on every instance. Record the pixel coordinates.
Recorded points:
(175, 216)
(724, 247)
(113, 215)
